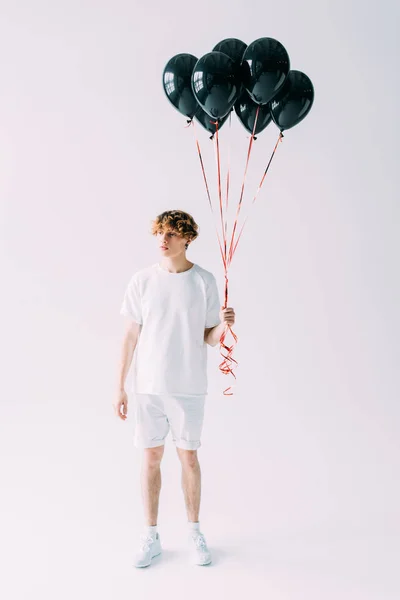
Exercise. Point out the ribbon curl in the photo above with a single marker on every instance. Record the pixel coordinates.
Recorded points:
(229, 363)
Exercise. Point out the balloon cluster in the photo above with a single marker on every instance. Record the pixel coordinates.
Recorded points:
(257, 83)
(252, 80)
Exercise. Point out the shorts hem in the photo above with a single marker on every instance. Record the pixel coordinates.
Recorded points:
(187, 445)
(180, 394)
(150, 444)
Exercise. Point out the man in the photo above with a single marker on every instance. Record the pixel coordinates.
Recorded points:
(173, 311)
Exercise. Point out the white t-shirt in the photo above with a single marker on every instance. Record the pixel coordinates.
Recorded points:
(174, 310)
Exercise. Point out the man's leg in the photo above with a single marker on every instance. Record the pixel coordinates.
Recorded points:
(191, 485)
(151, 482)
(191, 482)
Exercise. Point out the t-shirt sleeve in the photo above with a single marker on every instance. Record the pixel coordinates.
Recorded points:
(131, 304)
(213, 304)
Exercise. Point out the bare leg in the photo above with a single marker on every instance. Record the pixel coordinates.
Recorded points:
(191, 482)
(151, 482)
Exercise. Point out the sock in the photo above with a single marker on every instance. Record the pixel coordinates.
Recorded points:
(194, 526)
(151, 530)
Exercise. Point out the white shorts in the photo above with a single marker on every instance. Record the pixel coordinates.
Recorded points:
(156, 414)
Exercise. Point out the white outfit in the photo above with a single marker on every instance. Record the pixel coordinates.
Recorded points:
(174, 310)
(156, 415)
(200, 553)
(149, 548)
(170, 370)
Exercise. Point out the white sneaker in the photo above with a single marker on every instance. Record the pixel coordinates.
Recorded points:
(150, 547)
(200, 553)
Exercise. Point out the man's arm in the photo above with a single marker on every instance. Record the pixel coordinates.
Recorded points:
(212, 335)
(120, 403)
(128, 348)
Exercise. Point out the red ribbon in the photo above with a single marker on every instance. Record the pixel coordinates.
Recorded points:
(280, 139)
(228, 363)
(243, 183)
(226, 366)
(208, 191)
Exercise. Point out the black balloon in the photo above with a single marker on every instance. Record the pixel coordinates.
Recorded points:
(233, 48)
(266, 65)
(293, 102)
(177, 83)
(208, 122)
(216, 84)
(246, 110)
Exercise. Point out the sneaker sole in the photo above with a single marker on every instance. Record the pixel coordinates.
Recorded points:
(144, 566)
(202, 564)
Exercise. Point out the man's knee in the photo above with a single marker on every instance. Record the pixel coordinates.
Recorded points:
(152, 456)
(188, 458)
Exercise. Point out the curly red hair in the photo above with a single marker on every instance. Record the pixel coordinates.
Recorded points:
(176, 220)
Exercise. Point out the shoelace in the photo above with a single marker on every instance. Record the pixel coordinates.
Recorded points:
(146, 541)
(200, 542)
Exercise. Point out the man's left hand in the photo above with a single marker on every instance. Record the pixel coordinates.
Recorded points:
(227, 315)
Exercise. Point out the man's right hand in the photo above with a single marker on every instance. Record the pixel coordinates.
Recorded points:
(121, 405)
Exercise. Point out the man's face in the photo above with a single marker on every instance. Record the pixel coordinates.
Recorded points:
(170, 242)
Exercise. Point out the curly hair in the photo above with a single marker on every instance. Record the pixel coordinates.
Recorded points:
(176, 220)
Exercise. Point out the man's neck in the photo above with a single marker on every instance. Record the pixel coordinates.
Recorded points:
(176, 264)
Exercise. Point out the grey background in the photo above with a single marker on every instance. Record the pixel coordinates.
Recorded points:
(300, 467)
